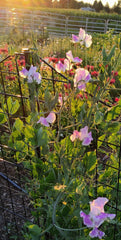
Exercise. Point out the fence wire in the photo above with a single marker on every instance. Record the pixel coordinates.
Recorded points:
(15, 206)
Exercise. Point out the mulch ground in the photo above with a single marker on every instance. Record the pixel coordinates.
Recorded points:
(15, 206)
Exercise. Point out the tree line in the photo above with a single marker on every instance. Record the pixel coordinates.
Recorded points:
(68, 4)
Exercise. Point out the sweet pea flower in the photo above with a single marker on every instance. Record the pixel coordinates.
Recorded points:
(60, 67)
(82, 76)
(83, 136)
(49, 119)
(82, 34)
(83, 38)
(67, 64)
(72, 59)
(60, 98)
(31, 74)
(96, 217)
(75, 38)
(75, 135)
(88, 40)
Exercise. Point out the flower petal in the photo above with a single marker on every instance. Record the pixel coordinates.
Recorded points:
(86, 219)
(97, 205)
(96, 233)
(75, 38)
(23, 73)
(51, 118)
(43, 121)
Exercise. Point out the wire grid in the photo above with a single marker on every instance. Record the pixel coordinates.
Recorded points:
(15, 207)
(15, 204)
(110, 183)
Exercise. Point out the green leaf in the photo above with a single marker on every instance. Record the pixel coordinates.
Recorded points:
(80, 188)
(3, 118)
(18, 125)
(90, 160)
(12, 106)
(113, 113)
(50, 101)
(42, 138)
(100, 140)
(111, 53)
(29, 132)
(35, 231)
(98, 117)
(104, 54)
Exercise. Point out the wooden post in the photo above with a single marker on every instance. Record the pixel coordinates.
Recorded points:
(28, 62)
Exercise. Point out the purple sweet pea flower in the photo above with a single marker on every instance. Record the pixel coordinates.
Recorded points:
(86, 219)
(85, 137)
(49, 119)
(75, 38)
(31, 74)
(96, 217)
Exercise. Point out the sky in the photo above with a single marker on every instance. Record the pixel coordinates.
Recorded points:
(110, 2)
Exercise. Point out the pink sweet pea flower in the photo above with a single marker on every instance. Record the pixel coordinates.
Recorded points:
(88, 40)
(96, 217)
(82, 76)
(72, 59)
(82, 34)
(49, 119)
(31, 74)
(60, 67)
(85, 137)
(75, 135)
(83, 38)
(67, 65)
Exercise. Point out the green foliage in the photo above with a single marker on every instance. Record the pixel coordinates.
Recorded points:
(64, 174)
(107, 57)
(3, 117)
(12, 106)
(50, 101)
(34, 231)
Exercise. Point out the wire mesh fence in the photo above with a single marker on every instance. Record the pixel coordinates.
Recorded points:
(27, 20)
(16, 204)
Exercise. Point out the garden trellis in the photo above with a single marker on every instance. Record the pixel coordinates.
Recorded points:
(15, 201)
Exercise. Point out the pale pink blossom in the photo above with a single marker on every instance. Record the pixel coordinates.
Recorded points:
(82, 34)
(83, 38)
(67, 64)
(60, 67)
(31, 74)
(49, 119)
(88, 40)
(72, 59)
(82, 76)
(75, 135)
